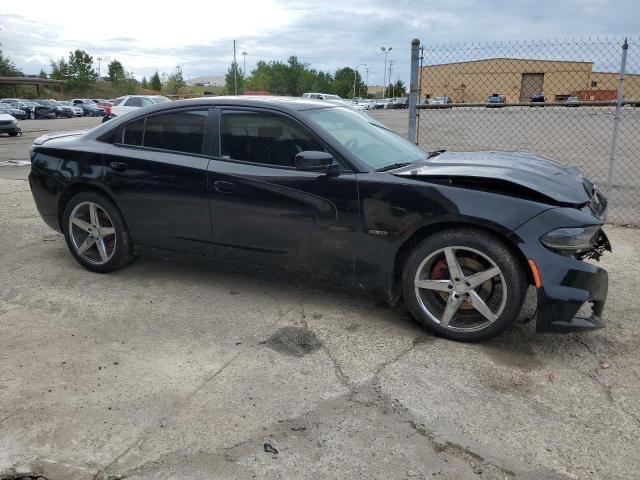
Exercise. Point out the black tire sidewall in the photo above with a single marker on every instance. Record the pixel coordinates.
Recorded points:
(489, 245)
(123, 252)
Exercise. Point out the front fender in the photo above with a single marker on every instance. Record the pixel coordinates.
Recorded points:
(395, 211)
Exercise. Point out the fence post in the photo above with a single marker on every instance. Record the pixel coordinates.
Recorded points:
(616, 125)
(413, 90)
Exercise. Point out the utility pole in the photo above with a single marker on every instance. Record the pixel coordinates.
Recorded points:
(99, 66)
(355, 77)
(390, 67)
(235, 70)
(366, 82)
(384, 72)
(244, 55)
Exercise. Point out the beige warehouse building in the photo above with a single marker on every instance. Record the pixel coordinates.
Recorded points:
(519, 79)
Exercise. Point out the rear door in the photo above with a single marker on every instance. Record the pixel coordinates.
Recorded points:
(266, 212)
(157, 172)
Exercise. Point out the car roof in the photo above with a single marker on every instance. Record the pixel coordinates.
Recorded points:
(283, 104)
(280, 103)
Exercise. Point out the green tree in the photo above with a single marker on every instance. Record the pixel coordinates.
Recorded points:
(234, 74)
(144, 83)
(155, 82)
(344, 79)
(259, 78)
(80, 69)
(323, 83)
(59, 69)
(7, 67)
(175, 81)
(397, 89)
(129, 85)
(115, 72)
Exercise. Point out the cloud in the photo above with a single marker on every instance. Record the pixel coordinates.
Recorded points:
(327, 35)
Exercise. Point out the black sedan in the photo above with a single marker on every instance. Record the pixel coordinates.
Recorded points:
(14, 112)
(91, 110)
(323, 190)
(35, 110)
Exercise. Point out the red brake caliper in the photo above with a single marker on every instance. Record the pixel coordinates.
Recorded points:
(440, 270)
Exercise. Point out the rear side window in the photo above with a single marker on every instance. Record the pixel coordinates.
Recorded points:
(176, 131)
(134, 133)
(138, 102)
(133, 102)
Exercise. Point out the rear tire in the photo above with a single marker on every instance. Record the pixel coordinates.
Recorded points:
(96, 233)
(478, 298)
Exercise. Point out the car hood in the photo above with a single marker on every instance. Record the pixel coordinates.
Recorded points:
(6, 116)
(560, 183)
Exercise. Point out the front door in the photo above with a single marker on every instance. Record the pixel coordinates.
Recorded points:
(266, 212)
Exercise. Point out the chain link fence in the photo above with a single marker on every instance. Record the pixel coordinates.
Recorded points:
(558, 99)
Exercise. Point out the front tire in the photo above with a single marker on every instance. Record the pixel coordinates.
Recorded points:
(464, 284)
(96, 233)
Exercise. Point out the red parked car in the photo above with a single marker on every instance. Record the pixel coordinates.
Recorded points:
(104, 104)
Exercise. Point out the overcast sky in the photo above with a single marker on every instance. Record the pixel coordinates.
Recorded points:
(326, 34)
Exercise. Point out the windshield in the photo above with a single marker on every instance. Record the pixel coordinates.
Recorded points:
(332, 97)
(160, 99)
(369, 141)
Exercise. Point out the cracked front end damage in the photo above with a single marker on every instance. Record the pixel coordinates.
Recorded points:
(572, 292)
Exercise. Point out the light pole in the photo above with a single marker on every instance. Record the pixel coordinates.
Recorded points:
(384, 72)
(355, 77)
(235, 70)
(244, 57)
(99, 65)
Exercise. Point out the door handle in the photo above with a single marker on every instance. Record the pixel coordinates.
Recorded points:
(224, 187)
(118, 166)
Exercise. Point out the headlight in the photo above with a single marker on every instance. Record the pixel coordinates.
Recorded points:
(573, 240)
(14, 122)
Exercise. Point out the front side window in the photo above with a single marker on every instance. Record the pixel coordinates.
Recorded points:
(262, 137)
(176, 131)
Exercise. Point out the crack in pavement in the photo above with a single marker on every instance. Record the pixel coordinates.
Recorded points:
(7, 417)
(176, 406)
(17, 249)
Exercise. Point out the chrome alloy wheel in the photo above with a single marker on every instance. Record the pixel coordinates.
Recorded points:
(460, 288)
(92, 233)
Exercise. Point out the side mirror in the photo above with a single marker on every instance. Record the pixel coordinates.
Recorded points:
(315, 161)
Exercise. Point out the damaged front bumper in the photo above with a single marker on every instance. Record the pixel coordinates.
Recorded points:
(571, 298)
(572, 292)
